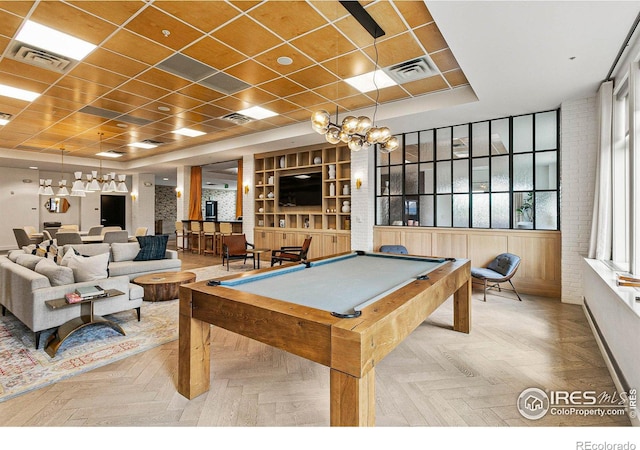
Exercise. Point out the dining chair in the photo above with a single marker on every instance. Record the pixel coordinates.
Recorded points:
(95, 230)
(64, 237)
(23, 239)
(116, 236)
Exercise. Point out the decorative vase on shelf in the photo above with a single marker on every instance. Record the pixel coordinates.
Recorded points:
(270, 181)
(270, 195)
(332, 190)
(317, 160)
(345, 189)
(386, 188)
(260, 209)
(283, 162)
(346, 207)
(332, 171)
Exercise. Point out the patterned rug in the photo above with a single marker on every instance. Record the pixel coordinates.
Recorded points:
(23, 368)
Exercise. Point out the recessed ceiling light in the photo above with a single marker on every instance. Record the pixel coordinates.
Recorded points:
(371, 81)
(109, 154)
(54, 41)
(256, 112)
(164, 108)
(144, 145)
(189, 132)
(18, 93)
(285, 61)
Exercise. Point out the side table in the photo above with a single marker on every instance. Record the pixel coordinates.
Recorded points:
(256, 254)
(86, 318)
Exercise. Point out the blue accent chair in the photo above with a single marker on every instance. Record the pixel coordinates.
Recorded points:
(500, 270)
(397, 249)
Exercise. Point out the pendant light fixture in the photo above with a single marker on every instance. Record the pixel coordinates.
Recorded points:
(358, 132)
(62, 184)
(77, 188)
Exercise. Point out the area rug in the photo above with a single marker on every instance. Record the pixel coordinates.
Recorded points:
(23, 368)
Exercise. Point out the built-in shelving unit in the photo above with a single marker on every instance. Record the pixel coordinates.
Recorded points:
(328, 221)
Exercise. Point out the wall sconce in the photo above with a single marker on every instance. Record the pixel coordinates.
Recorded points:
(134, 195)
(358, 180)
(178, 193)
(246, 189)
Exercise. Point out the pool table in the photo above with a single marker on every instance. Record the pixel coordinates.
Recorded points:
(346, 312)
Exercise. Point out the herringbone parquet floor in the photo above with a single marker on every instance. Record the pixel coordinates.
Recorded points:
(437, 377)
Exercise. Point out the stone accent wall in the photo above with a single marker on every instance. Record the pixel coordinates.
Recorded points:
(166, 209)
(226, 199)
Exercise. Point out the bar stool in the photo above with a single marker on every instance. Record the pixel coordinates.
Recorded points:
(196, 233)
(181, 234)
(209, 231)
(225, 229)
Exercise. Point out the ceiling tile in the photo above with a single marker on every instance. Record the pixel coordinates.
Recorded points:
(206, 16)
(137, 47)
(270, 59)
(287, 19)
(415, 13)
(70, 20)
(97, 75)
(425, 85)
(247, 36)
(456, 78)
(255, 96)
(395, 50)
(323, 43)
(213, 53)
(115, 63)
(313, 77)
(151, 22)
(430, 37)
(252, 72)
(444, 60)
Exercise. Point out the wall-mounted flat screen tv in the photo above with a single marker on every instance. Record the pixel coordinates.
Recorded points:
(303, 189)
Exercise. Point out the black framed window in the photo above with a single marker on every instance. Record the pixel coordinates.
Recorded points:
(500, 173)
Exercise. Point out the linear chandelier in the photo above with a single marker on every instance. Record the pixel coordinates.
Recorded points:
(358, 132)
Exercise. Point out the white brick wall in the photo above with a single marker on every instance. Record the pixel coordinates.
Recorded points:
(362, 203)
(248, 200)
(578, 142)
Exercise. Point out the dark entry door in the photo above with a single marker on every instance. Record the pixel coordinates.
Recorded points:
(112, 208)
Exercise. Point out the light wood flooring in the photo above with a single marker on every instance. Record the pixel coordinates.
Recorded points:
(437, 377)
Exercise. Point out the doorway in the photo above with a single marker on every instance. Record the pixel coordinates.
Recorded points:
(112, 211)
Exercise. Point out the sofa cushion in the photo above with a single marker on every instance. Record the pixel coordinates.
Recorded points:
(28, 261)
(47, 249)
(152, 247)
(89, 268)
(121, 251)
(13, 254)
(57, 275)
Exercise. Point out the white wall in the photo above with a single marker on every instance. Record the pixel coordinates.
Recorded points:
(248, 200)
(362, 200)
(19, 203)
(578, 145)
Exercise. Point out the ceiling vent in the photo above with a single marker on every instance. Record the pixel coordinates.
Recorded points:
(237, 118)
(414, 69)
(41, 58)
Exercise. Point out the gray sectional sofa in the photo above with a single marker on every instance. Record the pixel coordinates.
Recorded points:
(24, 288)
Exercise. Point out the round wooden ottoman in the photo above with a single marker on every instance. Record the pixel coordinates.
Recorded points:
(164, 285)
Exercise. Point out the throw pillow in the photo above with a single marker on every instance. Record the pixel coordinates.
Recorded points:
(152, 247)
(89, 268)
(71, 253)
(121, 251)
(28, 261)
(47, 249)
(57, 275)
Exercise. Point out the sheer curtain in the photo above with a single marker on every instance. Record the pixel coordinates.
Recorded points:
(600, 243)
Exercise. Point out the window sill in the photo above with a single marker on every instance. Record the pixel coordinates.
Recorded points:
(608, 271)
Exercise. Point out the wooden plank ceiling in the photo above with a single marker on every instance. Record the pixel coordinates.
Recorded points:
(135, 73)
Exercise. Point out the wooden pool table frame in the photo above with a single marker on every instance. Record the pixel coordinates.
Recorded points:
(351, 348)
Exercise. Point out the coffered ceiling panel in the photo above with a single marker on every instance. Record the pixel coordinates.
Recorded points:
(161, 65)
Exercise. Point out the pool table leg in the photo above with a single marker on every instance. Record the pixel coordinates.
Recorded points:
(194, 351)
(353, 402)
(462, 308)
